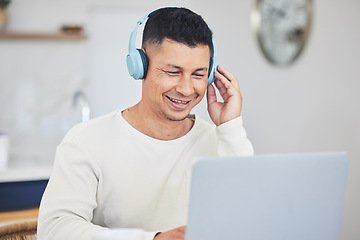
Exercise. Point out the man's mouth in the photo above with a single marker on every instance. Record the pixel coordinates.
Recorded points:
(177, 101)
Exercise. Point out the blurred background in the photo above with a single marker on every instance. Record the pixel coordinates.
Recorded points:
(311, 105)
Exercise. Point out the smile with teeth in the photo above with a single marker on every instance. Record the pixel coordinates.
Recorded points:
(177, 101)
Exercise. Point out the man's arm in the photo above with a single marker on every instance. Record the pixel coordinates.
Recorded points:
(69, 200)
(232, 138)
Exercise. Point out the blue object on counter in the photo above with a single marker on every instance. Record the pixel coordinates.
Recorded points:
(21, 195)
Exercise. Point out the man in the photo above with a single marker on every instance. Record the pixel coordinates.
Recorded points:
(131, 168)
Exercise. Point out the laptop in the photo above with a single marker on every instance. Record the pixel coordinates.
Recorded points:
(268, 197)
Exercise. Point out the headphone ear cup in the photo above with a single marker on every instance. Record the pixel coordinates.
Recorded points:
(134, 64)
(211, 76)
(213, 63)
(145, 62)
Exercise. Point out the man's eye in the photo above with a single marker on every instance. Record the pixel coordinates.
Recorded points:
(198, 75)
(173, 73)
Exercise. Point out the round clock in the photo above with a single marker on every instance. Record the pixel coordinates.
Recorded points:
(282, 28)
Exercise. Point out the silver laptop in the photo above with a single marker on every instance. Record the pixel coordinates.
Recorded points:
(274, 197)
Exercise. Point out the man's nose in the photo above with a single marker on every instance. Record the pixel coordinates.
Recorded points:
(185, 85)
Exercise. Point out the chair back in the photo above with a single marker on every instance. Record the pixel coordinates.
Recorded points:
(21, 230)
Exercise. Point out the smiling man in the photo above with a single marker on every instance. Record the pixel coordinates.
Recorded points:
(131, 168)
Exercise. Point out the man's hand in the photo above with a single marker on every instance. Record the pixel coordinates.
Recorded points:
(228, 86)
(175, 234)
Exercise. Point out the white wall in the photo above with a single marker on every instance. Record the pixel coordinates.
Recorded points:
(309, 106)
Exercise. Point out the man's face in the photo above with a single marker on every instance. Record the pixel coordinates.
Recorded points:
(176, 80)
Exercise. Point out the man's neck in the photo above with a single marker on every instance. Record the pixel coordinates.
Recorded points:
(154, 125)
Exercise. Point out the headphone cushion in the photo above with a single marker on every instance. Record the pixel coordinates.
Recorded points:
(212, 70)
(144, 60)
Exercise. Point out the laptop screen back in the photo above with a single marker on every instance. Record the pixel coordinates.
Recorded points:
(274, 197)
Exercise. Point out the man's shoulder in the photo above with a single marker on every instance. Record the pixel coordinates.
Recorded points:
(93, 126)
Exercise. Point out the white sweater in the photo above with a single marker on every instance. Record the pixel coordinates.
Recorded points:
(108, 175)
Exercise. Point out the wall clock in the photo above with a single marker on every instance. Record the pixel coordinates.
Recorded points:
(282, 28)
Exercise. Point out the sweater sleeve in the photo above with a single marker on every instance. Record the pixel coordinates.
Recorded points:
(232, 139)
(69, 200)
(68, 203)
(150, 235)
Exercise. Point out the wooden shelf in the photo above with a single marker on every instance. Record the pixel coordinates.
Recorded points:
(42, 36)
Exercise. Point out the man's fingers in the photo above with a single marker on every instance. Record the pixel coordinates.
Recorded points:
(229, 76)
(211, 94)
(220, 83)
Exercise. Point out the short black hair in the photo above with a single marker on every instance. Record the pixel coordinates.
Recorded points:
(179, 24)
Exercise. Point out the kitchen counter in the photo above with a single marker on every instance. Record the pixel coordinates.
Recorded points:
(25, 174)
(22, 187)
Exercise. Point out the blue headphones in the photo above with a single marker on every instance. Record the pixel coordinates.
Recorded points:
(137, 62)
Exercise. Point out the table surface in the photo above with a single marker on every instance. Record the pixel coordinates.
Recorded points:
(14, 216)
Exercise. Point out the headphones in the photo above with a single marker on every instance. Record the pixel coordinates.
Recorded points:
(137, 62)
